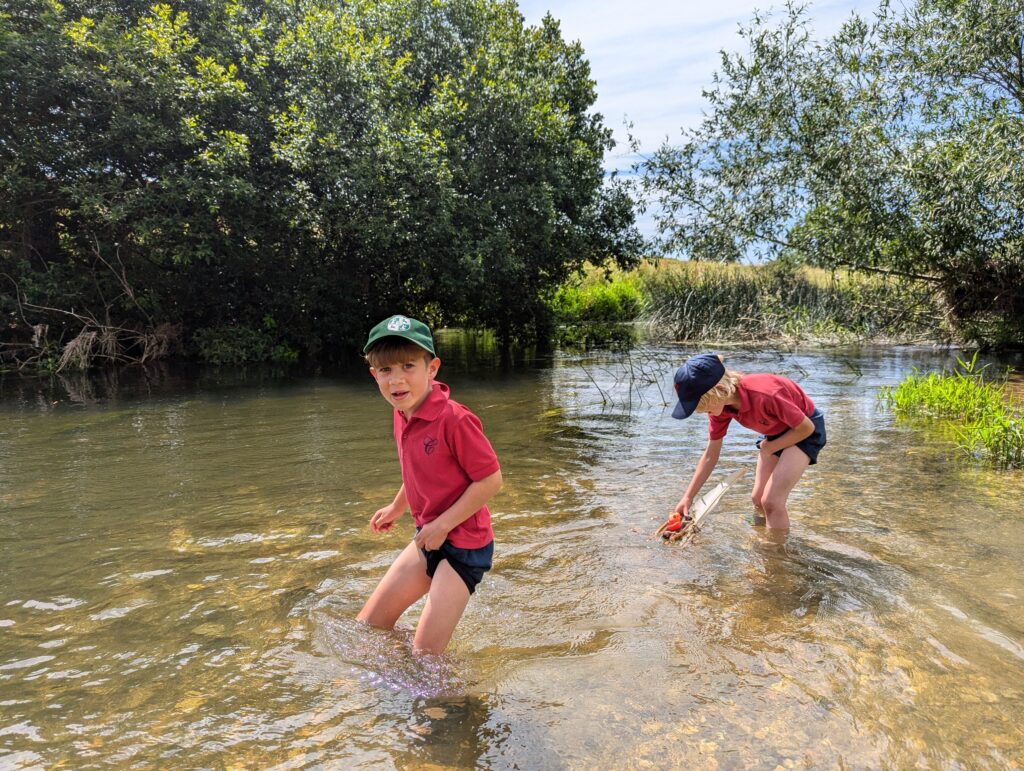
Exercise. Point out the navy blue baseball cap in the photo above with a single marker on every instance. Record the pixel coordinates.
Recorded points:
(695, 378)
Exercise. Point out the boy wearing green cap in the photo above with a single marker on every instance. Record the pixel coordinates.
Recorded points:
(449, 472)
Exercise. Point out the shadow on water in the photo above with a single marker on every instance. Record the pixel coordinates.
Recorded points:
(807, 577)
(455, 731)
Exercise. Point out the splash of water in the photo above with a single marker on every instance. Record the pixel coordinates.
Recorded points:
(384, 658)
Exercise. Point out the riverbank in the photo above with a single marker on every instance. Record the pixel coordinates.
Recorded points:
(775, 304)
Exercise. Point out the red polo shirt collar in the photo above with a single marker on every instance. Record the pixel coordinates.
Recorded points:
(433, 405)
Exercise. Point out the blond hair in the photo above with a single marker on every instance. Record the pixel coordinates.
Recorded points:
(723, 389)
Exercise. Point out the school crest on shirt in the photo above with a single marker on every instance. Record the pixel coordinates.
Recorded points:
(429, 444)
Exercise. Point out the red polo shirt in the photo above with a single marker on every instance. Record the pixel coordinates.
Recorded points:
(442, 450)
(769, 404)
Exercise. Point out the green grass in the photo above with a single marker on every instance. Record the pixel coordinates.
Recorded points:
(987, 420)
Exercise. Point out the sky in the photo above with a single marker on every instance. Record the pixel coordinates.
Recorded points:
(652, 58)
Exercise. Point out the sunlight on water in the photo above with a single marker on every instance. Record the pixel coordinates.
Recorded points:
(183, 559)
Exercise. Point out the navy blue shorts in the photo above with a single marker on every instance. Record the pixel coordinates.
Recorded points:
(811, 445)
(470, 564)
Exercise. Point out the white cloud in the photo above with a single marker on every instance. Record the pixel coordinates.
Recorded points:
(651, 59)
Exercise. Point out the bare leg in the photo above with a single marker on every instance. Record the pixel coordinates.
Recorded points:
(783, 479)
(446, 601)
(404, 583)
(765, 467)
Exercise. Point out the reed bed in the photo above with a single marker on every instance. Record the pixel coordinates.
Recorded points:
(989, 425)
(711, 302)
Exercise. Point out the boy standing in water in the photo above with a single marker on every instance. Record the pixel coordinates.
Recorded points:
(449, 472)
(793, 430)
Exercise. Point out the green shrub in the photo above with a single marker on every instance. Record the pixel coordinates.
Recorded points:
(232, 344)
(596, 309)
(615, 300)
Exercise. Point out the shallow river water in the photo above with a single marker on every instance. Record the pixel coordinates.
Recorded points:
(182, 559)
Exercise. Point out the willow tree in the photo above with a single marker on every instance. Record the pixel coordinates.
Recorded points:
(891, 147)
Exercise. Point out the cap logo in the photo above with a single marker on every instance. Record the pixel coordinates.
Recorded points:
(399, 324)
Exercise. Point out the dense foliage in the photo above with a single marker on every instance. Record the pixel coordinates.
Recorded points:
(283, 173)
(892, 147)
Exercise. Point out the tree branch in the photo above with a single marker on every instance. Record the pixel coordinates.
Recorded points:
(886, 272)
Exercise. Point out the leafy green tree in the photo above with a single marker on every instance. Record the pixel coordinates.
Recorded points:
(284, 173)
(890, 147)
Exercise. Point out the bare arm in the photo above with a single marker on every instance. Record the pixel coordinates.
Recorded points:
(432, 534)
(796, 434)
(705, 466)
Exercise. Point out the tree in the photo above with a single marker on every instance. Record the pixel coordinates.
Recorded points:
(891, 147)
(288, 172)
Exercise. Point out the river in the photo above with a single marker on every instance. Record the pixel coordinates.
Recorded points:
(183, 557)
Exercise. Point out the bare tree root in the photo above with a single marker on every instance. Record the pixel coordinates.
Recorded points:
(96, 341)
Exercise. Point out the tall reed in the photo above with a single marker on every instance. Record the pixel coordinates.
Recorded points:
(711, 302)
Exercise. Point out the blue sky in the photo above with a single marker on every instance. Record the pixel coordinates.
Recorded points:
(652, 58)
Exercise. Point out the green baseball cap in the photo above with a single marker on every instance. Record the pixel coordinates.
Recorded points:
(402, 326)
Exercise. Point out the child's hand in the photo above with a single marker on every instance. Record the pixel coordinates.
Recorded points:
(683, 507)
(431, 536)
(384, 519)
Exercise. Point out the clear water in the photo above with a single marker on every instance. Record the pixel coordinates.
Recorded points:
(182, 559)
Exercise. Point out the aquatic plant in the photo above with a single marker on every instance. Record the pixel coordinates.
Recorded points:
(990, 421)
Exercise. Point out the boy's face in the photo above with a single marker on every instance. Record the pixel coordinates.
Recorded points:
(406, 382)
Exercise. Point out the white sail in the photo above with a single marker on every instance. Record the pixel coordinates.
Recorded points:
(710, 499)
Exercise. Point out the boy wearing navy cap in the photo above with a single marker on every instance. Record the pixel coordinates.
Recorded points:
(792, 429)
(449, 472)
